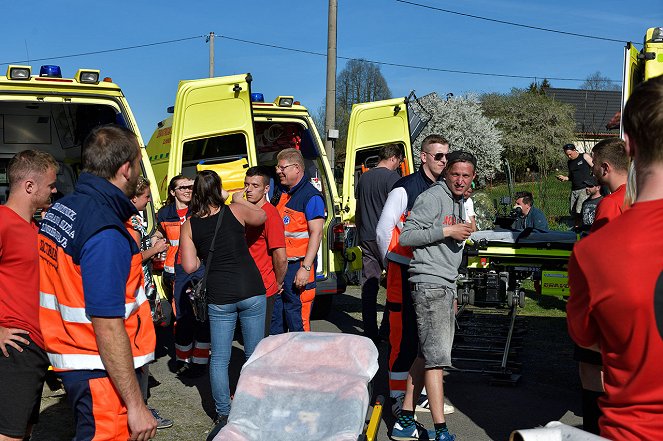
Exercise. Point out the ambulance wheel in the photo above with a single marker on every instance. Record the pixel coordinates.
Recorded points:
(521, 299)
(322, 306)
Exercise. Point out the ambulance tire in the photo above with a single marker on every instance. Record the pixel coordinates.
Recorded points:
(322, 306)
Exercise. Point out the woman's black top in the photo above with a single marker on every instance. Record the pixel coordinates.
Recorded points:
(233, 275)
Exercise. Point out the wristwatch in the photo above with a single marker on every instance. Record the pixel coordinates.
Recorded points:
(306, 267)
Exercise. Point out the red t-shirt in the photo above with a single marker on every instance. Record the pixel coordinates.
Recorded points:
(19, 274)
(609, 208)
(262, 241)
(182, 214)
(616, 284)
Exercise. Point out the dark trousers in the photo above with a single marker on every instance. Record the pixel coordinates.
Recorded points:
(371, 271)
(287, 315)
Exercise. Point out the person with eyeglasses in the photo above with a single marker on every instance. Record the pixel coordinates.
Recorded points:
(191, 338)
(371, 193)
(402, 324)
(302, 209)
(436, 232)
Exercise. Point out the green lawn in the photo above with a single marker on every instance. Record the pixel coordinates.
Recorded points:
(550, 195)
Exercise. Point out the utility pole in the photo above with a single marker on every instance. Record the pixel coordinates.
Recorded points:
(330, 99)
(210, 39)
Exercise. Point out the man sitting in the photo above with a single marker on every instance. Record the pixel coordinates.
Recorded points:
(530, 216)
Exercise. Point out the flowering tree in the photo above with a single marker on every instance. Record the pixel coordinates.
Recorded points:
(462, 122)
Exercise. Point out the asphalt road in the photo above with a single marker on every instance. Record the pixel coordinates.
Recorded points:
(548, 389)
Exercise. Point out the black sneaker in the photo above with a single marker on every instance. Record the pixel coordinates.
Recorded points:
(219, 422)
(162, 423)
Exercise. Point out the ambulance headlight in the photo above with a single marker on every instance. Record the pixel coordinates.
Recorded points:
(285, 102)
(87, 76)
(18, 72)
(657, 35)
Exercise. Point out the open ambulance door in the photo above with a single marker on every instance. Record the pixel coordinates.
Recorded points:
(213, 129)
(632, 76)
(373, 125)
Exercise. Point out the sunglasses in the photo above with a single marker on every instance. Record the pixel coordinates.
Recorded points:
(282, 168)
(437, 156)
(184, 188)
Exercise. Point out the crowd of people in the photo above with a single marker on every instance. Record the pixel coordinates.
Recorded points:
(89, 298)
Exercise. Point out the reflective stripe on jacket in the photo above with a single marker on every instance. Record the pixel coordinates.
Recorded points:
(69, 337)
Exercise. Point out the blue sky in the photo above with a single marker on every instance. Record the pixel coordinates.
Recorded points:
(380, 30)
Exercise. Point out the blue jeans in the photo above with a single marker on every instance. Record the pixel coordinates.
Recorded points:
(222, 319)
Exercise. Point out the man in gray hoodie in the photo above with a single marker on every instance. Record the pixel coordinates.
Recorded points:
(436, 230)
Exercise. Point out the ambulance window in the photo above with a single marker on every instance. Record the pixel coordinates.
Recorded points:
(367, 159)
(228, 147)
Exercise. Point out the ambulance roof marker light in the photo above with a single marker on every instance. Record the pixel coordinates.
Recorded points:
(51, 71)
(257, 97)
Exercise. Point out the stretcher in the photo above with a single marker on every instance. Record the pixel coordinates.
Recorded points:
(306, 386)
(497, 263)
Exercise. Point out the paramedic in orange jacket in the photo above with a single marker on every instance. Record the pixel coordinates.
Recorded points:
(94, 315)
(302, 209)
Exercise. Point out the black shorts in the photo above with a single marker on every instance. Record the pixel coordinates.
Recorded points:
(21, 382)
(587, 356)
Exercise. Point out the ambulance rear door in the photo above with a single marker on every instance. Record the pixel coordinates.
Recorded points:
(212, 126)
(373, 125)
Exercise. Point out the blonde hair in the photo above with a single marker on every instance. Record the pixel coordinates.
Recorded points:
(142, 186)
(29, 163)
(631, 186)
(291, 155)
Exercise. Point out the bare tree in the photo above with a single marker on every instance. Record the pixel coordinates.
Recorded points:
(597, 81)
(359, 82)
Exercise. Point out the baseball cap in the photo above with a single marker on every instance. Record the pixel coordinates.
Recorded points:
(461, 156)
(590, 182)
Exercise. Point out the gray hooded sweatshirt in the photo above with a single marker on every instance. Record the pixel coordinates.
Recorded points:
(436, 258)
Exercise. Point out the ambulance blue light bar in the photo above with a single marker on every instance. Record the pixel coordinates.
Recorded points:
(51, 71)
(257, 97)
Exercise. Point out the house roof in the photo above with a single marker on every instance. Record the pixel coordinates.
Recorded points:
(593, 108)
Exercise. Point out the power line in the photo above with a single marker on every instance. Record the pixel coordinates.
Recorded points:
(478, 17)
(105, 51)
(308, 52)
(407, 66)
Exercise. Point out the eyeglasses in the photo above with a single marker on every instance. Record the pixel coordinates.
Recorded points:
(184, 188)
(282, 168)
(437, 156)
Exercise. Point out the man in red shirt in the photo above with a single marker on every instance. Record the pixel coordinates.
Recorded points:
(23, 363)
(611, 169)
(616, 284)
(267, 242)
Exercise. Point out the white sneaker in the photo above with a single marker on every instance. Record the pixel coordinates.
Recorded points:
(423, 406)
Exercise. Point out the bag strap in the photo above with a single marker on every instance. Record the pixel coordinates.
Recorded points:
(210, 253)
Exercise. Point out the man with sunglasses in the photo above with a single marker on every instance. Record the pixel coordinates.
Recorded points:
(302, 209)
(402, 321)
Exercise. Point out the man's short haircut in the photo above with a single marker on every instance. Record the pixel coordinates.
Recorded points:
(29, 163)
(460, 156)
(107, 148)
(433, 139)
(569, 147)
(142, 186)
(528, 198)
(643, 120)
(261, 171)
(390, 150)
(612, 151)
(292, 156)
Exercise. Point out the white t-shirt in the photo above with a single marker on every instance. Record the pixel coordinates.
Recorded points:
(469, 210)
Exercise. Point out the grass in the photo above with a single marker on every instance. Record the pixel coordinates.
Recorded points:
(541, 306)
(550, 195)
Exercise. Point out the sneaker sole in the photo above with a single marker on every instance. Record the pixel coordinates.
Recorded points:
(448, 409)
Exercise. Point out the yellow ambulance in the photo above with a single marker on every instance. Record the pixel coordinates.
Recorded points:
(46, 111)
(219, 123)
(641, 65)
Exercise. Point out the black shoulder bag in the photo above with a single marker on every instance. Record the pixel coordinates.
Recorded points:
(198, 293)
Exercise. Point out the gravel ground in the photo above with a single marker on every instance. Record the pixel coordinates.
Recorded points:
(547, 391)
